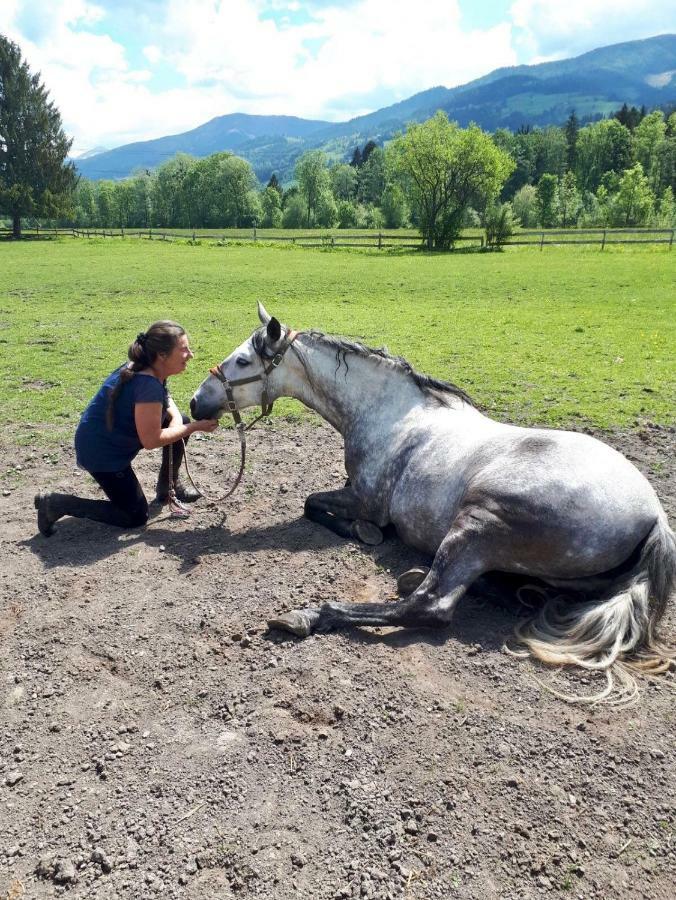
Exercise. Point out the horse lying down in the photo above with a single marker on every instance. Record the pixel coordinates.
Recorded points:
(475, 494)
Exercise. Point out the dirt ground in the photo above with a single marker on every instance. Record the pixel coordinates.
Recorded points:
(156, 740)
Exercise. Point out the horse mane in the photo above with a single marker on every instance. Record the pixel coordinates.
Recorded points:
(435, 389)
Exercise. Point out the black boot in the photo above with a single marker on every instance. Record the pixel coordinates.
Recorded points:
(184, 492)
(48, 513)
(52, 507)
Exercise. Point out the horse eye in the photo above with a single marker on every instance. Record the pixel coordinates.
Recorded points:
(243, 361)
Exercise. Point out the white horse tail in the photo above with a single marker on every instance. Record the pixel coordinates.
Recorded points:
(616, 635)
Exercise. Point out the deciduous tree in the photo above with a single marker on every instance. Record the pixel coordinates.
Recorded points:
(443, 170)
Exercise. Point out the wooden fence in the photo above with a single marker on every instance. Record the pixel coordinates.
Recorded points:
(601, 237)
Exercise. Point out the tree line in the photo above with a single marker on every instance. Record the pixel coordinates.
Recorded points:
(436, 177)
(603, 174)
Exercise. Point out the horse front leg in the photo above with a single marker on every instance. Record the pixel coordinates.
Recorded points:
(339, 512)
(461, 558)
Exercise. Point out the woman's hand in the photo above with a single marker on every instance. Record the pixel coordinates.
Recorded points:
(206, 425)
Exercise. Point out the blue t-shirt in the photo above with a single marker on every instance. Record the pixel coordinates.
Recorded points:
(99, 449)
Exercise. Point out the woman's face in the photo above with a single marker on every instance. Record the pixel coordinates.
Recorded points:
(175, 362)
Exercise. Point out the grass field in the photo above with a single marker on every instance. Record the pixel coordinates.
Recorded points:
(568, 336)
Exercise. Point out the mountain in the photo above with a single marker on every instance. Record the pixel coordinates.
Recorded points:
(229, 132)
(594, 85)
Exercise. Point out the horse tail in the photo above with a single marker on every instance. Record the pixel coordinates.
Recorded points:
(617, 634)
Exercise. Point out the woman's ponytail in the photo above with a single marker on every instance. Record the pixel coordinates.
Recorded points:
(160, 338)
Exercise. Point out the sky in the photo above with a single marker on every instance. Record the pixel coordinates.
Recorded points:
(129, 70)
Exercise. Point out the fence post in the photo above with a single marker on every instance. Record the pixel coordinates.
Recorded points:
(37, 228)
(671, 239)
(603, 242)
(380, 240)
(121, 232)
(150, 234)
(542, 240)
(254, 233)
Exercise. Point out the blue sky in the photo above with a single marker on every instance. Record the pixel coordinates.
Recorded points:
(126, 70)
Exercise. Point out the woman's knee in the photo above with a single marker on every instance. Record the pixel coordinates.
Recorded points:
(138, 516)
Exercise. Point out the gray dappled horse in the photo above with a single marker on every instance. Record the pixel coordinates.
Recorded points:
(476, 494)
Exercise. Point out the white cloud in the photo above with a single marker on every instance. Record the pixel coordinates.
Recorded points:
(330, 60)
(550, 29)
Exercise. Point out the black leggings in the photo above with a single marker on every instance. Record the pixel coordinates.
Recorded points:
(126, 506)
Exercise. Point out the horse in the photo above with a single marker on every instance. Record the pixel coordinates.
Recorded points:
(475, 494)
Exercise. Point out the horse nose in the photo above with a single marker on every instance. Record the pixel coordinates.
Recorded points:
(192, 407)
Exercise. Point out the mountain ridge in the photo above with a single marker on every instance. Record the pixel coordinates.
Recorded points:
(595, 84)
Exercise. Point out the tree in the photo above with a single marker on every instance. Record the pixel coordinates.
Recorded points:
(271, 203)
(371, 179)
(35, 179)
(569, 201)
(525, 206)
(355, 162)
(344, 182)
(326, 210)
(274, 183)
(312, 176)
(347, 214)
(634, 200)
(602, 147)
(547, 190)
(499, 223)
(650, 146)
(443, 169)
(395, 210)
(572, 128)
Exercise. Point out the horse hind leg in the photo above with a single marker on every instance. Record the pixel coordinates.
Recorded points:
(458, 562)
(339, 512)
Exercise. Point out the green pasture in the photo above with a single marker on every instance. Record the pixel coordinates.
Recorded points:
(567, 336)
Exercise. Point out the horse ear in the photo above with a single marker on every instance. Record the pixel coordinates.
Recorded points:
(274, 330)
(263, 314)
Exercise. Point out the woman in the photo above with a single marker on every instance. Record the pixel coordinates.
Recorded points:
(132, 411)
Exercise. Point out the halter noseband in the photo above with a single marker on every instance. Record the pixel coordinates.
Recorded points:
(229, 384)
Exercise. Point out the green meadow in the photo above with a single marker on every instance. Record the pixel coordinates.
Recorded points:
(567, 336)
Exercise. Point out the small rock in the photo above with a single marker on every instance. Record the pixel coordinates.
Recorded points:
(13, 778)
(98, 856)
(64, 872)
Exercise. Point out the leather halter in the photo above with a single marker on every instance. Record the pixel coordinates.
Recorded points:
(229, 384)
(266, 406)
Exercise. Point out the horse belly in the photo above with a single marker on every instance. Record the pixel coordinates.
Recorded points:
(570, 506)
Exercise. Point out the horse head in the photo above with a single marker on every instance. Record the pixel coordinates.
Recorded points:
(245, 373)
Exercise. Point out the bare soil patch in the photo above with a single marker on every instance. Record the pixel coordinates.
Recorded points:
(155, 740)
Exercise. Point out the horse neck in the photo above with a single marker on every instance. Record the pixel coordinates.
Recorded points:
(342, 390)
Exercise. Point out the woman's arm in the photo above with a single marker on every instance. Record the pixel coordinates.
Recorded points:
(148, 420)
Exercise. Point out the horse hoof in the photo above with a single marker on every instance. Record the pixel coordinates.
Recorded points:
(411, 580)
(295, 622)
(367, 532)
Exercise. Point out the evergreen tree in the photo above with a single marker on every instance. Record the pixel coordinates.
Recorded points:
(274, 183)
(572, 128)
(369, 147)
(35, 179)
(355, 162)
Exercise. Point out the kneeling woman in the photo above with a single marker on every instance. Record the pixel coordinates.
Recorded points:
(132, 411)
